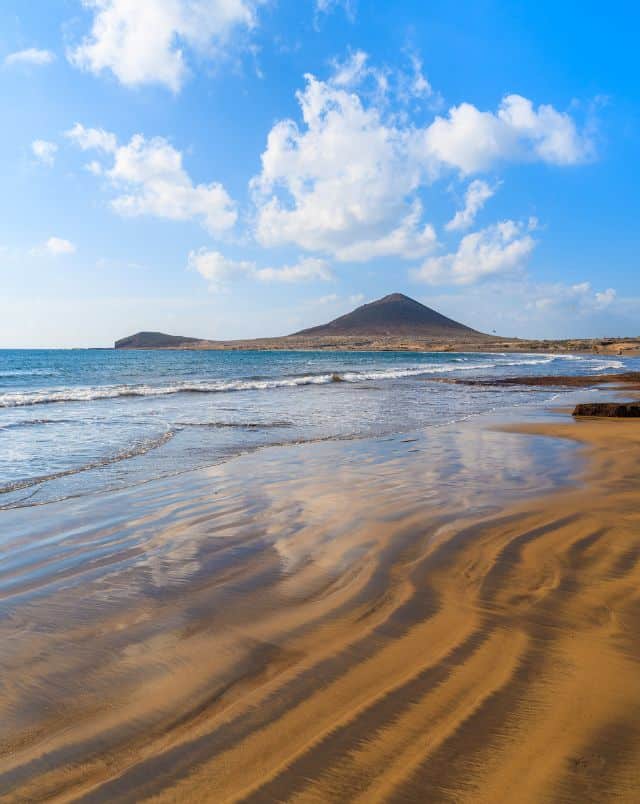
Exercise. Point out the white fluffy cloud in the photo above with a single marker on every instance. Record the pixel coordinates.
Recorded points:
(44, 151)
(144, 41)
(350, 179)
(343, 184)
(471, 140)
(347, 180)
(409, 240)
(159, 185)
(498, 249)
(218, 269)
(152, 181)
(31, 55)
(478, 193)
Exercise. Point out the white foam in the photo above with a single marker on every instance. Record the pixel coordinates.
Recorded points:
(611, 364)
(90, 393)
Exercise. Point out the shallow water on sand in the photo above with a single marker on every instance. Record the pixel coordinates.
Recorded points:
(389, 618)
(460, 466)
(77, 421)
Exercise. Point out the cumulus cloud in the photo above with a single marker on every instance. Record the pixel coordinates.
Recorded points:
(478, 193)
(349, 178)
(498, 249)
(55, 246)
(343, 183)
(409, 240)
(145, 41)
(218, 269)
(346, 180)
(44, 151)
(152, 180)
(159, 185)
(31, 55)
(472, 140)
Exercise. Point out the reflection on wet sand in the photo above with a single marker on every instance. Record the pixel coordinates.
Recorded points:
(397, 620)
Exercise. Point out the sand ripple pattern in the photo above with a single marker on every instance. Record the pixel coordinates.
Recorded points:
(310, 634)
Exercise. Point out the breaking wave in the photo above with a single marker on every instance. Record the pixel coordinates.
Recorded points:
(91, 393)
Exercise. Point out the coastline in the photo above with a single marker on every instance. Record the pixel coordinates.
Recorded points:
(312, 623)
(75, 423)
(621, 347)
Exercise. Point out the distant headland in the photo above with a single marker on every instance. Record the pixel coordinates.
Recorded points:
(394, 322)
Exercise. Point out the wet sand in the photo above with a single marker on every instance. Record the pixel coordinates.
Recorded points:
(430, 619)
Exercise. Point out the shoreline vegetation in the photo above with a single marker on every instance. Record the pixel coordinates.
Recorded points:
(334, 634)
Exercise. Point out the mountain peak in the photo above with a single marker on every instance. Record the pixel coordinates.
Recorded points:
(395, 314)
(392, 297)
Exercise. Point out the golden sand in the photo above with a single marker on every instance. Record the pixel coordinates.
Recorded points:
(410, 652)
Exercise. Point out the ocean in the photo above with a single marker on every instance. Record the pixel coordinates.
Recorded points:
(74, 422)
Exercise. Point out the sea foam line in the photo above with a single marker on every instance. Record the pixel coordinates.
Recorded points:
(141, 448)
(92, 393)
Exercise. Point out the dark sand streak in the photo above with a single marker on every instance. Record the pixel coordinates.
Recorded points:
(328, 646)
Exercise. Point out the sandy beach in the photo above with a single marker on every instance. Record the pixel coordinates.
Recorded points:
(319, 402)
(450, 618)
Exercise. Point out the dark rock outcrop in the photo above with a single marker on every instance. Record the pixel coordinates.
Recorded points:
(153, 340)
(555, 380)
(614, 410)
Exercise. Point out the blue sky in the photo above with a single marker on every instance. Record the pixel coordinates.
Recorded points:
(237, 168)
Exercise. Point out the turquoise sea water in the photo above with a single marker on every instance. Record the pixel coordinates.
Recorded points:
(77, 421)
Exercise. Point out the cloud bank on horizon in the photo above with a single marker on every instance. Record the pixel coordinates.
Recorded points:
(366, 169)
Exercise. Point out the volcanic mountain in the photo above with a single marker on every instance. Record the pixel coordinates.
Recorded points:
(382, 322)
(392, 315)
